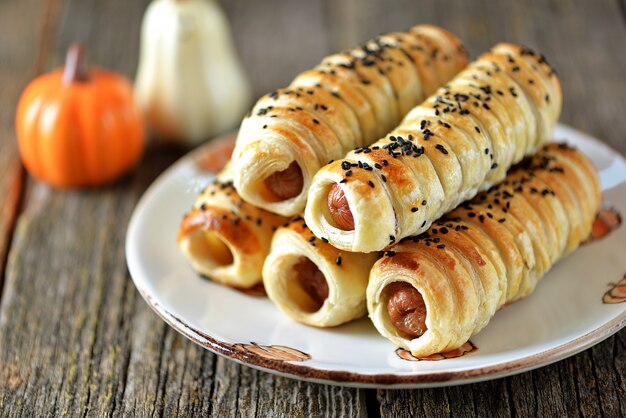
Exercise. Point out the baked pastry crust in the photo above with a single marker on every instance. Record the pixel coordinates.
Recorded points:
(346, 275)
(491, 251)
(350, 99)
(225, 238)
(460, 141)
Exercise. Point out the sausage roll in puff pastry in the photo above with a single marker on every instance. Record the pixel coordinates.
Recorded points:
(460, 141)
(431, 293)
(225, 238)
(313, 282)
(350, 99)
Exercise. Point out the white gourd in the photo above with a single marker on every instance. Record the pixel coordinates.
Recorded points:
(190, 83)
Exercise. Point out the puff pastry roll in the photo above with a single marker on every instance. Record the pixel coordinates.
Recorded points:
(350, 99)
(431, 293)
(458, 142)
(225, 238)
(311, 281)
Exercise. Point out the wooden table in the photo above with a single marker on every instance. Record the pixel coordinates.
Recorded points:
(75, 336)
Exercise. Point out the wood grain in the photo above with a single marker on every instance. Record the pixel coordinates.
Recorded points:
(18, 65)
(75, 336)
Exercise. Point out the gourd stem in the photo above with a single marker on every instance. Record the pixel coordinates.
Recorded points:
(75, 66)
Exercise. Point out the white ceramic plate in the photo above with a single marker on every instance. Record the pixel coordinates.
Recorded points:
(579, 302)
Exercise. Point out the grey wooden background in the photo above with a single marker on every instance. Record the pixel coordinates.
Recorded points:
(76, 338)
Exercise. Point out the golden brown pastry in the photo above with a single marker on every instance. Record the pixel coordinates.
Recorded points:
(431, 293)
(311, 281)
(350, 99)
(225, 238)
(460, 141)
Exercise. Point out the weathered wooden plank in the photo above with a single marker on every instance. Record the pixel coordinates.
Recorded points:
(18, 65)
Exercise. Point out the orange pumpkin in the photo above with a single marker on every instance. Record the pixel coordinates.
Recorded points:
(79, 126)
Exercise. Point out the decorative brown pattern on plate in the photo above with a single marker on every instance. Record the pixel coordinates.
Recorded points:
(214, 156)
(617, 293)
(607, 221)
(466, 348)
(274, 352)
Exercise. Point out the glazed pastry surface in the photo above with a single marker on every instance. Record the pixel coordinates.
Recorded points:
(311, 281)
(460, 141)
(225, 238)
(432, 292)
(350, 99)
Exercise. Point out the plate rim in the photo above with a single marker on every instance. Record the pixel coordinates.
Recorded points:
(296, 370)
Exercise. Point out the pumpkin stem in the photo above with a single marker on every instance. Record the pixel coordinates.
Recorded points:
(76, 69)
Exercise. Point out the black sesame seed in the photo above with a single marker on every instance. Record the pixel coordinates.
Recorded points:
(441, 148)
(476, 129)
(338, 261)
(348, 173)
(370, 183)
(424, 202)
(325, 240)
(441, 246)
(414, 209)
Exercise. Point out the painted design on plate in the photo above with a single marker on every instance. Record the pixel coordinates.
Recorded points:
(274, 352)
(466, 348)
(213, 157)
(617, 292)
(607, 221)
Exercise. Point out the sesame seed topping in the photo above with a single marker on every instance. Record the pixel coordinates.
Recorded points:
(441, 148)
